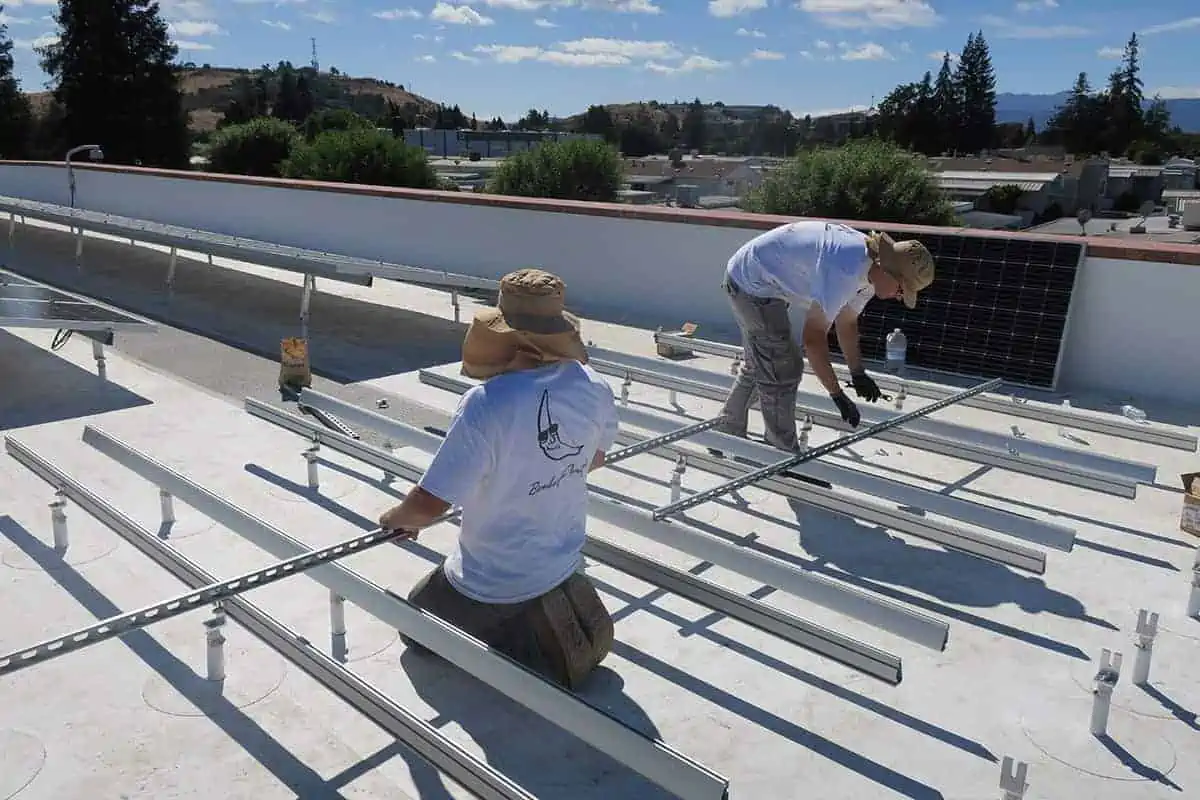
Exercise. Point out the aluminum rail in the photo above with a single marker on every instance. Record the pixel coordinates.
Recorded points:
(664, 437)
(1010, 460)
(950, 536)
(824, 642)
(478, 777)
(297, 259)
(975, 439)
(1018, 526)
(1109, 424)
(813, 453)
(213, 592)
(651, 758)
(863, 606)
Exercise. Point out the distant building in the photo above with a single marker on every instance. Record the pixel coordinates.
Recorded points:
(448, 143)
(691, 180)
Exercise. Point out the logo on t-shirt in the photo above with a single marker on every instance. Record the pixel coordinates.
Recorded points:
(549, 438)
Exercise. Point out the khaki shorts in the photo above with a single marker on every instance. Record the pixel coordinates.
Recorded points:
(563, 634)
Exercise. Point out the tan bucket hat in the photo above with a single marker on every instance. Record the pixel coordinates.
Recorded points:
(529, 327)
(909, 262)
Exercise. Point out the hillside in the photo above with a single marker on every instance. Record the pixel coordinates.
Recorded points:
(207, 90)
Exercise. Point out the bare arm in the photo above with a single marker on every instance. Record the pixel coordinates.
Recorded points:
(418, 509)
(816, 347)
(846, 328)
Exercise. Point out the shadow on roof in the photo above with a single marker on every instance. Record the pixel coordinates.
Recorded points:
(39, 387)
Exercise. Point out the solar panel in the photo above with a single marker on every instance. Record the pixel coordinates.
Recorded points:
(998, 309)
(25, 303)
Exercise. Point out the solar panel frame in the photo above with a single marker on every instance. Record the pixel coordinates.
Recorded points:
(88, 314)
(999, 308)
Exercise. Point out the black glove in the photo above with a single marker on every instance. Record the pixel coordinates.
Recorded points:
(848, 410)
(865, 386)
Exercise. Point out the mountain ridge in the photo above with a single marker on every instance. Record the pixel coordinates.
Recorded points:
(1019, 107)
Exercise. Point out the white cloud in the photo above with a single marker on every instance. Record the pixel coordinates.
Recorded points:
(271, 23)
(193, 27)
(618, 6)
(426, 59)
(1028, 6)
(5, 19)
(1177, 92)
(1110, 52)
(1006, 29)
(1170, 27)
(184, 45)
(869, 51)
(44, 40)
(392, 14)
(630, 48)
(806, 54)
(940, 55)
(733, 8)
(695, 63)
(545, 23)
(458, 15)
(323, 17)
(753, 34)
(871, 13)
(459, 55)
(765, 55)
(821, 44)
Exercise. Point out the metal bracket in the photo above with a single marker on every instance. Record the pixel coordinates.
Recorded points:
(1106, 680)
(1147, 629)
(1012, 781)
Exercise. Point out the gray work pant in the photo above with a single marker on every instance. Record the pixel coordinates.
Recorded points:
(772, 365)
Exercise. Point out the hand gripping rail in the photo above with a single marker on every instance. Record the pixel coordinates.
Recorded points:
(651, 758)
(951, 536)
(443, 754)
(1010, 456)
(1107, 424)
(863, 606)
(748, 610)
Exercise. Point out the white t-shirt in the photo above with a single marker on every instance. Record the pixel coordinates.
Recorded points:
(805, 262)
(515, 459)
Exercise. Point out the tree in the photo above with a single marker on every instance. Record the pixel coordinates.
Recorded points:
(599, 120)
(16, 116)
(334, 119)
(1125, 100)
(694, 127)
(947, 109)
(113, 70)
(865, 179)
(574, 169)
(975, 79)
(361, 155)
(258, 147)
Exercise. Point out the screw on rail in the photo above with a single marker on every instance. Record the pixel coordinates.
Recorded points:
(1147, 629)
(1105, 682)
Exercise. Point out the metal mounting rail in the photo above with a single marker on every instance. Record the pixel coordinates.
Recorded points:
(215, 592)
(351, 269)
(974, 439)
(1109, 424)
(814, 453)
(661, 440)
(883, 614)
(651, 758)
(832, 645)
(1010, 459)
(950, 536)
(478, 777)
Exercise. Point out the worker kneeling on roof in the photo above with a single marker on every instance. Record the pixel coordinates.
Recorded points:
(515, 460)
(795, 281)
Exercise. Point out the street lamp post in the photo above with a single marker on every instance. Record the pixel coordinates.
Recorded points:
(95, 153)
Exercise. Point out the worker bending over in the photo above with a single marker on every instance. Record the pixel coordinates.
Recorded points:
(802, 277)
(515, 460)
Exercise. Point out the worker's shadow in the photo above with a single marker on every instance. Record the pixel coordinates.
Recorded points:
(535, 753)
(872, 555)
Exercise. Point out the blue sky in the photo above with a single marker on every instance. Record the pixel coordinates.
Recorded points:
(505, 56)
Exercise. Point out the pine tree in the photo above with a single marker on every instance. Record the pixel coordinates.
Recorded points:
(16, 116)
(1078, 125)
(976, 80)
(1125, 96)
(947, 109)
(113, 70)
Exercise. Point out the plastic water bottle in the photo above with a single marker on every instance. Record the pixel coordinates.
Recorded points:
(1133, 413)
(895, 351)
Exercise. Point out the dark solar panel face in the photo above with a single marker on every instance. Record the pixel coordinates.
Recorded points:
(22, 299)
(997, 309)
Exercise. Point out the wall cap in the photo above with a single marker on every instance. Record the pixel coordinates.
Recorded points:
(1097, 246)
